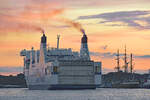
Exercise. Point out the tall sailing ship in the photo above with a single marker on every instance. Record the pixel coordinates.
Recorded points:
(130, 82)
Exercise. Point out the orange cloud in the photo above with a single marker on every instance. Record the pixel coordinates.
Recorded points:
(41, 15)
(24, 21)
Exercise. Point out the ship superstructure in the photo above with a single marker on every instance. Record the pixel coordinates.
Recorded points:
(57, 68)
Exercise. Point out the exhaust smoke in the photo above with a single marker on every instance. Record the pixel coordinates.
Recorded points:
(76, 25)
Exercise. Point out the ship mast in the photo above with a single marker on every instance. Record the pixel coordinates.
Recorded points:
(118, 62)
(125, 62)
(131, 64)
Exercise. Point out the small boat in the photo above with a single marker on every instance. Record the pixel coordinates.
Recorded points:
(146, 84)
(129, 84)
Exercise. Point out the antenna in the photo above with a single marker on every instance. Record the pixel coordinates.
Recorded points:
(58, 37)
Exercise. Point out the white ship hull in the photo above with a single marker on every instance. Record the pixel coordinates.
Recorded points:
(69, 76)
(53, 84)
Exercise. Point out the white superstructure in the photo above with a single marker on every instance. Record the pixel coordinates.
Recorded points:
(56, 68)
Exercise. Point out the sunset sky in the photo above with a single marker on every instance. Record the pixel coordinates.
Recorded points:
(109, 25)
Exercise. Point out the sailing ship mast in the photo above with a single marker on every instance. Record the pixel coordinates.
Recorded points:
(131, 64)
(118, 62)
(125, 62)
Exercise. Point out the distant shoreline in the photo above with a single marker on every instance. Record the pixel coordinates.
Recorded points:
(10, 81)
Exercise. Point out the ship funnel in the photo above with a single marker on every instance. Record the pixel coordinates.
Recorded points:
(43, 46)
(84, 39)
(43, 39)
(84, 51)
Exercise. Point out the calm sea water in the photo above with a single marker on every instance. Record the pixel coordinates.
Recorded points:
(98, 94)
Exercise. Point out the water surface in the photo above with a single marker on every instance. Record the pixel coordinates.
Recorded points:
(98, 94)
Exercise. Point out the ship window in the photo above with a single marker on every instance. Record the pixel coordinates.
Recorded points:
(45, 71)
(33, 61)
(96, 69)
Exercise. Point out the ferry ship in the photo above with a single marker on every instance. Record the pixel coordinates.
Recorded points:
(58, 68)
